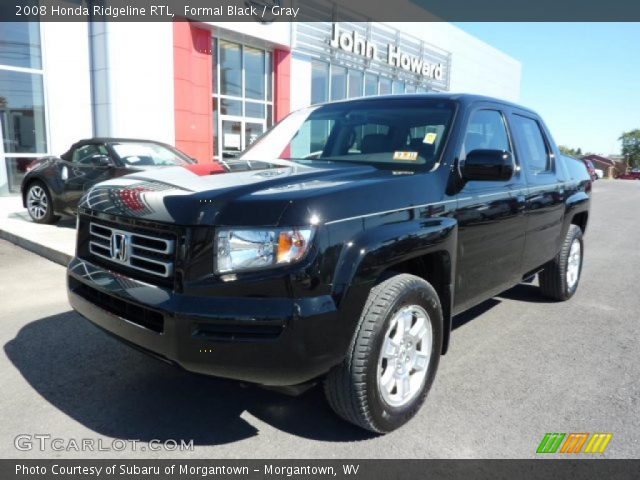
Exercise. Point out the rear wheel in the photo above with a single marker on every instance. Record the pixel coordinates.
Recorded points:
(393, 358)
(559, 279)
(39, 204)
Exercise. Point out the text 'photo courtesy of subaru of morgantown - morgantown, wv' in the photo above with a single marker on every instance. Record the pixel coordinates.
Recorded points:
(337, 249)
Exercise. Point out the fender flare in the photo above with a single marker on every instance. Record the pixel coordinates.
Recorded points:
(370, 252)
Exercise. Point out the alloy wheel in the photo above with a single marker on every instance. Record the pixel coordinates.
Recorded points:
(573, 263)
(37, 202)
(404, 357)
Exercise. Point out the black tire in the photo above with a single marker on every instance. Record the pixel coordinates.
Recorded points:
(352, 387)
(48, 217)
(554, 281)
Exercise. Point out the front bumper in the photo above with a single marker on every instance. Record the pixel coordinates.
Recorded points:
(269, 341)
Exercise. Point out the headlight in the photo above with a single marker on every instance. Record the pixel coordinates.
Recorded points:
(248, 249)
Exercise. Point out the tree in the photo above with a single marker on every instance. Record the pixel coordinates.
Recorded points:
(631, 147)
(572, 152)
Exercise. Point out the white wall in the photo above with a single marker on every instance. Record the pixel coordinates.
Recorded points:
(133, 80)
(476, 67)
(65, 61)
(274, 34)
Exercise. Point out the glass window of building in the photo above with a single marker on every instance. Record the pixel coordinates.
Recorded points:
(338, 82)
(230, 69)
(398, 87)
(242, 96)
(20, 45)
(22, 105)
(370, 84)
(22, 112)
(356, 80)
(319, 82)
(254, 73)
(269, 73)
(385, 86)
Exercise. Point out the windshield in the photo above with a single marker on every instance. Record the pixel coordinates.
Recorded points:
(408, 131)
(143, 154)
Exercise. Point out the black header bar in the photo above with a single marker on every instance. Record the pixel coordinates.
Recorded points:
(319, 10)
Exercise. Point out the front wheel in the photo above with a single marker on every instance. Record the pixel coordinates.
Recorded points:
(560, 277)
(393, 358)
(39, 204)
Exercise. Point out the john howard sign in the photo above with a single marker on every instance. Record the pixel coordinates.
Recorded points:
(356, 44)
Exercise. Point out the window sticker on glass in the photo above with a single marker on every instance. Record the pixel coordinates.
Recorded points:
(430, 138)
(411, 156)
(232, 140)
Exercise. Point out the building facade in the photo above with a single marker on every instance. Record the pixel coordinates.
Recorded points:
(212, 88)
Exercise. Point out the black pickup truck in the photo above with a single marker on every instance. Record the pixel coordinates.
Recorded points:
(338, 249)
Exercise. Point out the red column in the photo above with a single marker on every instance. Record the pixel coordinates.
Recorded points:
(282, 74)
(192, 67)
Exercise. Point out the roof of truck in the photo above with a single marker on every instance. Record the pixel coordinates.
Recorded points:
(465, 98)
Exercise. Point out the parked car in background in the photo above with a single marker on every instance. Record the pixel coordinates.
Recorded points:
(599, 173)
(591, 169)
(633, 174)
(54, 185)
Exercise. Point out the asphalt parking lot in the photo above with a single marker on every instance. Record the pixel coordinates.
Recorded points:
(519, 366)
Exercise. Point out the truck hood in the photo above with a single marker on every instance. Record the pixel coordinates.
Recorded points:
(284, 195)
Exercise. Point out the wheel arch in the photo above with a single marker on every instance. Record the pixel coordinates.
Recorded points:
(425, 248)
(580, 219)
(40, 179)
(26, 184)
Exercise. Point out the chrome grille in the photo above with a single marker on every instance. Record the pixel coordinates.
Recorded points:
(145, 253)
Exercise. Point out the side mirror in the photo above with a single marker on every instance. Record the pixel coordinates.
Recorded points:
(101, 161)
(488, 165)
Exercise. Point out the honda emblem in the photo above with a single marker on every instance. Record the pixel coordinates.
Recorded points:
(119, 248)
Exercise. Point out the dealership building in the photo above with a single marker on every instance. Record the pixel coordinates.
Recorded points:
(212, 88)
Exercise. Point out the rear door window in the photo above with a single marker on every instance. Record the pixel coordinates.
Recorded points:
(533, 144)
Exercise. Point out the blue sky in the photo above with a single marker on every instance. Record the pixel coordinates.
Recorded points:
(583, 78)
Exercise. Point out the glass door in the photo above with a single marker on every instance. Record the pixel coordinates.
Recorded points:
(237, 133)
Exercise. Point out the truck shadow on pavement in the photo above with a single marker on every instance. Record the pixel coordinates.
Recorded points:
(526, 292)
(119, 392)
(522, 292)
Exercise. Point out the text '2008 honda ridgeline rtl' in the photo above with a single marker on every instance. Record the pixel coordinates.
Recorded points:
(339, 247)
